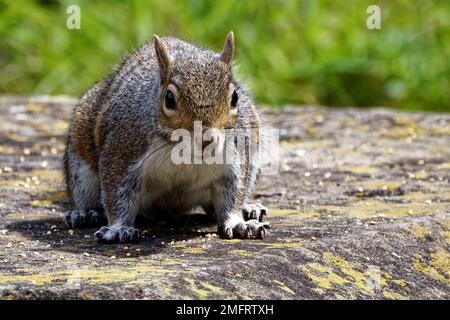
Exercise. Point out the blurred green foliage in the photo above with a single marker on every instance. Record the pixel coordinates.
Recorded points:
(288, 52)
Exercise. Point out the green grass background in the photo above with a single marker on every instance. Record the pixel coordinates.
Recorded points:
(288, 52)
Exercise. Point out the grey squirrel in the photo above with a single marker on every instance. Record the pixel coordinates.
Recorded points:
(117, 162)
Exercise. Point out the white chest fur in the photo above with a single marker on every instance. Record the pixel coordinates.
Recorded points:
(166, 184)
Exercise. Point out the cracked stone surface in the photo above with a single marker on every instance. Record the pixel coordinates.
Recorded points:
(360, 209)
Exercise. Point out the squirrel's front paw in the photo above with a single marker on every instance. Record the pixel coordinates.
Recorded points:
(84, 219)
(255, 211)
(117, 234)
(244, 230)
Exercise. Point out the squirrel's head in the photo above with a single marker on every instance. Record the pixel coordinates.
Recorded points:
(197, 85)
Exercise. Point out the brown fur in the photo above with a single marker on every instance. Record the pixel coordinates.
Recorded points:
(120, 119)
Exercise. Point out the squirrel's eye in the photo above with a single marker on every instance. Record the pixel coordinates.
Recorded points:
(170, 100)
(234, 99)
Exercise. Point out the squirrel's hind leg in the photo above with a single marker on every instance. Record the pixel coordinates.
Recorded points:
(84, 187)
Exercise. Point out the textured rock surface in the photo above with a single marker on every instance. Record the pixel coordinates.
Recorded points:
(360, 209)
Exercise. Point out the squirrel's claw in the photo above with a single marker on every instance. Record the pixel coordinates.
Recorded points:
(245, 230)
(117, 234)
(254, 211)
(84, 219)
(257, 229)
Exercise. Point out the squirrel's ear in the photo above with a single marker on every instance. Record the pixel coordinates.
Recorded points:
(164, 59)
(228, 49)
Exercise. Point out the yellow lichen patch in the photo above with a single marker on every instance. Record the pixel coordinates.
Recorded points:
(404, 127)
(171, 261)
(405, 122)
(447, 236)
(322, 276)
(210, 287)
(60, 125)
(425, 199)
(420, 175)
(437, 268)
(205, 291)
(400, 282)
(184, 247)
(41, 203)
(194, 250)
(105, 276)
(341, 274)
(54, 176)
(284, 287)
(392, 295)
(49, 199)
(178, 245)
(443, 131)
(138, 274)
(10, 151)
(419, 231)
(281, 245)
(289, 145)
(18, 138)
(38, 279)
(35, 107)
(445, 165)
(319, 290)
(231, 241)
(439, 149)
(317, 143)
(241, 252)
(57, 196)
(359, 170)
(38, 180)
(290, 213)
(274, 212)
(380, 184)
(340, 297)
(22, 216)
(346, 268)
(168, 290)
(368, 208)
